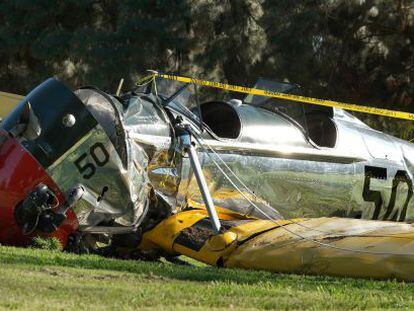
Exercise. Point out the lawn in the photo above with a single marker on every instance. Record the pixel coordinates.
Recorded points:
(39, 279)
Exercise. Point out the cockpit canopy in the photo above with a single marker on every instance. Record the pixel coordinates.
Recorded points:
(225, 120)
(315, 121)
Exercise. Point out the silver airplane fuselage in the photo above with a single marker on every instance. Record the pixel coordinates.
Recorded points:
(261, 159)
(356, 172)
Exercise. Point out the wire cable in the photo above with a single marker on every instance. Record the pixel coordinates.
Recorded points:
(247, 188)
(283, 226)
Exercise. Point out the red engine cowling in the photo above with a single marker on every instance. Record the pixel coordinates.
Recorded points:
(20, 173)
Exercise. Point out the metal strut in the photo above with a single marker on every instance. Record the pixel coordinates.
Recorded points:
(189, 147)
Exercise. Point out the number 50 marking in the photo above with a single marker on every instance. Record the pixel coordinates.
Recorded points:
(375, 196)
(99, 155)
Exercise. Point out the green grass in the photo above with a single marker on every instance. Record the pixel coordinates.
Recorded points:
(40, 279)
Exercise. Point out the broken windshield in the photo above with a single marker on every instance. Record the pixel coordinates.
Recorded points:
(178, 96)
(293, 110)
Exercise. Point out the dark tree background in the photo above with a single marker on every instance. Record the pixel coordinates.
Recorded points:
(359, 51)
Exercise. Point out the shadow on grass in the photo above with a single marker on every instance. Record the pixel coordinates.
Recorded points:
(11, 255)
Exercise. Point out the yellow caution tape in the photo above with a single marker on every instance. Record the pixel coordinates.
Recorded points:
(292, 97)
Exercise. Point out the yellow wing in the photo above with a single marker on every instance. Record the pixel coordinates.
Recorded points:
(322, 246)
(7, 102)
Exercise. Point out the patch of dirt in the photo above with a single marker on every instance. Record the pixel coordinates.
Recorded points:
(196, 236)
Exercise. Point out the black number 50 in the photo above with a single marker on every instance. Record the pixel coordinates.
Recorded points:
(99, 155)
(391, 212)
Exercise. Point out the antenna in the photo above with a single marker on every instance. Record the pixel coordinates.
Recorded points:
(118, 91)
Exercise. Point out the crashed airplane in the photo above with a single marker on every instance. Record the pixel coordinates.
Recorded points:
(257, 183)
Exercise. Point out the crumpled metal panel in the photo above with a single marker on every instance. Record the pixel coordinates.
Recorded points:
(293, 188)
(113, 192)
(149, 128)
(118, 190)
(126, 195)
(142, 116)
(107, 111)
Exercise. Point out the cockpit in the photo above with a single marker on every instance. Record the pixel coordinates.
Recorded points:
(315, 121)
(228, 119)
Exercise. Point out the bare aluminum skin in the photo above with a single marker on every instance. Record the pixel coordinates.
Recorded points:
(117, 193)
(299, 179)
(364, 174)
(292, 176)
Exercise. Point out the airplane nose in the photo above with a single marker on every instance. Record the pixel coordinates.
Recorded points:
(20, 174)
